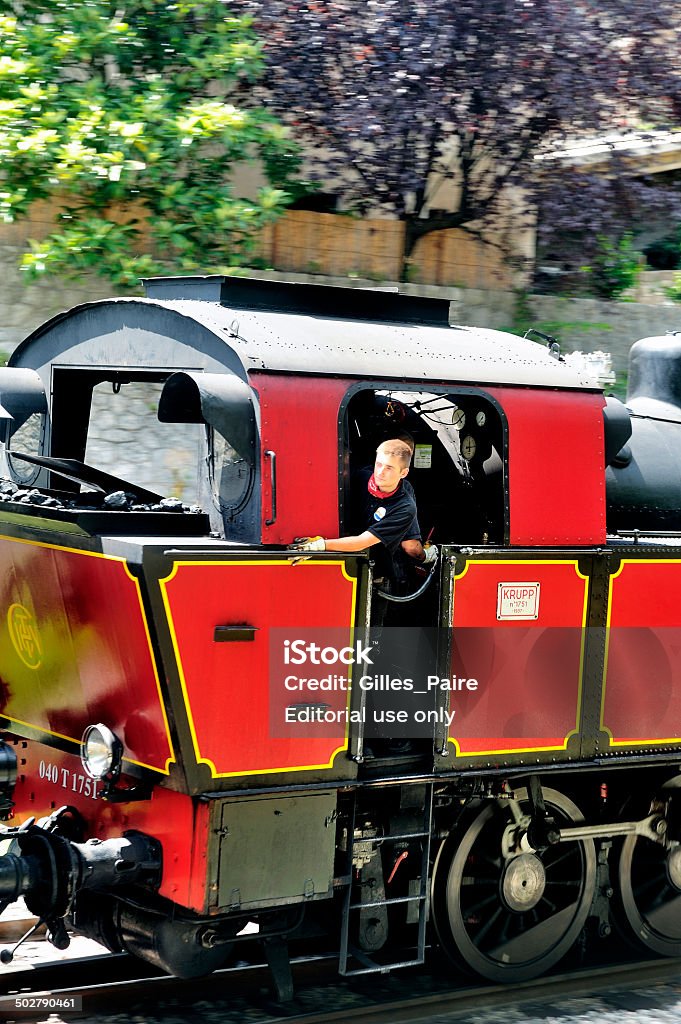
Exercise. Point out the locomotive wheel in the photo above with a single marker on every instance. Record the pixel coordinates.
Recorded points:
(650, 894)
(509, 920)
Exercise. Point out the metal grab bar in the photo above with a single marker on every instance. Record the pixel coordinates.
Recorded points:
(272, 456)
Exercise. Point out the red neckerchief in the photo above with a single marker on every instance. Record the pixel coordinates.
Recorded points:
(376, 491)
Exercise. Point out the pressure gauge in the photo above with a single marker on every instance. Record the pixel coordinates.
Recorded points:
(468, 447)
(480, 418)
(458, 419)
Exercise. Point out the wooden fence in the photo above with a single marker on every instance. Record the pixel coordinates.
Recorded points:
(343, 246)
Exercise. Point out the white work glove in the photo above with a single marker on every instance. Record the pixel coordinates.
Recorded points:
(308, 544)
(431, 554)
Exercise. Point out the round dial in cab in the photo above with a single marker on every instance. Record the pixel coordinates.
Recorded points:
(481, 418)
(458, 419)
(468, 447)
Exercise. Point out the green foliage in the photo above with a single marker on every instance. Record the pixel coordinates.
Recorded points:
(125, 116)
(523, 317)
(621, 386)
(674, 289)
(616, 267)
(665, 253)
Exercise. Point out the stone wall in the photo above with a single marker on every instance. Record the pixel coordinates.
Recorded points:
(591, 324)
(23, 308)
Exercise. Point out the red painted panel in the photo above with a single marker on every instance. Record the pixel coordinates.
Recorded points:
(75, 649)
(642, 699)
(48, 778)
(556, 460)
(528, 671)
(227, 685)
(300, 424)
(556, 466)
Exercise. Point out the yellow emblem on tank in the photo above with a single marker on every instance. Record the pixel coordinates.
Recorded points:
(23, 633)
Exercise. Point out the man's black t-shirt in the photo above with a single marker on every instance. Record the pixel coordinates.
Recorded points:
(391, 519)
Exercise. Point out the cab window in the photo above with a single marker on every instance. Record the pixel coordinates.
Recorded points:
(457, 470)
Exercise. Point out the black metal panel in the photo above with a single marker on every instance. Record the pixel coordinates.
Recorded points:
(380, 305)
(618, 427)
(220, 399)
(597, 568)
(294, 839)
(21, 394)
(98, 521)
(643, 484)
(74, 470)
(655, 376)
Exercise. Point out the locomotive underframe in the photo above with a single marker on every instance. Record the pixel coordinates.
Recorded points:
(394, 855)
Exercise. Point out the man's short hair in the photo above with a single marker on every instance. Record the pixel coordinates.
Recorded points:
(407, 438)
(397, 449)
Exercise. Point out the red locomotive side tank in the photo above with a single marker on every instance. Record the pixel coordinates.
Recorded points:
(644, 638)
(518, 631)
(223, 617)
(77, 649)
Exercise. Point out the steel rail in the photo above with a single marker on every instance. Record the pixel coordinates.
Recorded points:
(127, 985)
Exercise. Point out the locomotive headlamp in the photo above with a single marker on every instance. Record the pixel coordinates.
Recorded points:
(101, 752)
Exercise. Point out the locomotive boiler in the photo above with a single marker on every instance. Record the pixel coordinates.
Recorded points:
(188, 707)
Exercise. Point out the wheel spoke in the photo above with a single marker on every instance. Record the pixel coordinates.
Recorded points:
(554, 862)
(480, 935)
(473, 880)
(475, 907)
(649, 885)
(530, 944)
(666, 918)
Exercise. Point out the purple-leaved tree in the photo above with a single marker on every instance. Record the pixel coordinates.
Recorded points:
(401, 103)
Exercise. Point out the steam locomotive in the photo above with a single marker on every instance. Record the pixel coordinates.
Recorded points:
(188, 755)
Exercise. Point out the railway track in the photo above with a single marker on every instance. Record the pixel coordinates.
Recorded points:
(114, 987)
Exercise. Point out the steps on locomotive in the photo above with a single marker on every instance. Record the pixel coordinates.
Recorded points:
(350, 954)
